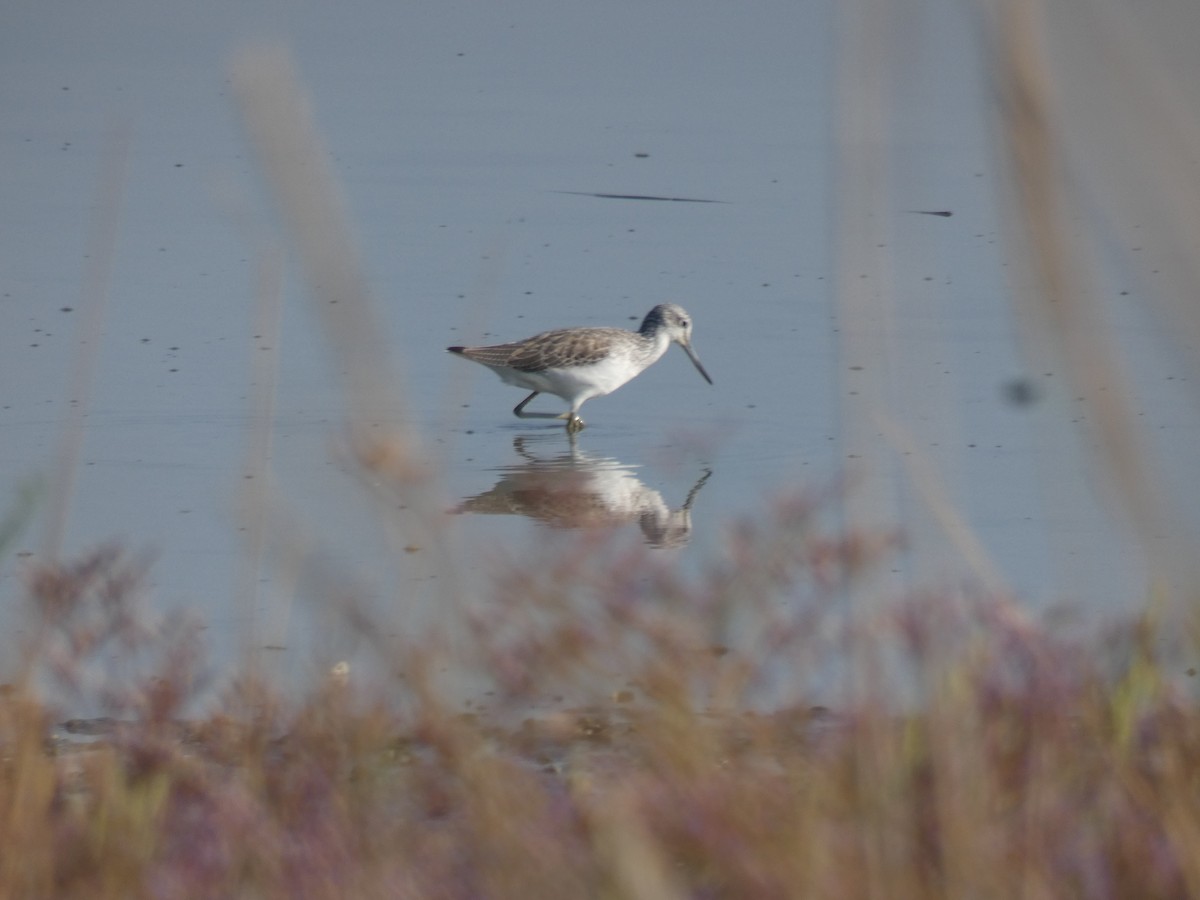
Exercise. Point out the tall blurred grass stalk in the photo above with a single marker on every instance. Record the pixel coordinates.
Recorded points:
(102, 250)
(294, 163)
(1099, 143)
(101, 256)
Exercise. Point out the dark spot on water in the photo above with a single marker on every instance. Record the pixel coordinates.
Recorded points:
(1021, 392)
(605, 196)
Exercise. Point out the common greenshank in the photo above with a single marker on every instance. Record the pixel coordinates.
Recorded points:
(580, 363)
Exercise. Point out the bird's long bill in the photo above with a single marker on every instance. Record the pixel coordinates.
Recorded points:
(695, 361)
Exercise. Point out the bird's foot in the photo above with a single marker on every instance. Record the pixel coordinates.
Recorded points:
(574, 424)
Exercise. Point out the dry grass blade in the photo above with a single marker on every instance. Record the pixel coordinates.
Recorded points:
(279, 120)
(105, 227)
(1062, 319)
(283, 132)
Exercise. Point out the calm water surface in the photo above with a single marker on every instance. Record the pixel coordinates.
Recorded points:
(472, 142)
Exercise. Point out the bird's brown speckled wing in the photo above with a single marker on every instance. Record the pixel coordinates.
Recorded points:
(549, 350)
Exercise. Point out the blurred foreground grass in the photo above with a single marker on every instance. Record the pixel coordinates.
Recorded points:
(1028, 765)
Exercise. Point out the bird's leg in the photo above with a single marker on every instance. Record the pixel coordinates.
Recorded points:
(519, 410)
(520, 406)
(574, 423)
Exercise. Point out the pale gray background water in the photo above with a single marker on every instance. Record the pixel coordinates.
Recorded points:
(459, 131)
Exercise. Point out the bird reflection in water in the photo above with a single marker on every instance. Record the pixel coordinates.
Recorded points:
(577, 490)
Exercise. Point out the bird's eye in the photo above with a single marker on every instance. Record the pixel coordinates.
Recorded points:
(683, 323)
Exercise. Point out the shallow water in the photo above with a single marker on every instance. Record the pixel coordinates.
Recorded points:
(497, 162)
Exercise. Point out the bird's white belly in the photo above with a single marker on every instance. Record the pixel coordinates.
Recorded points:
(576, 383)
